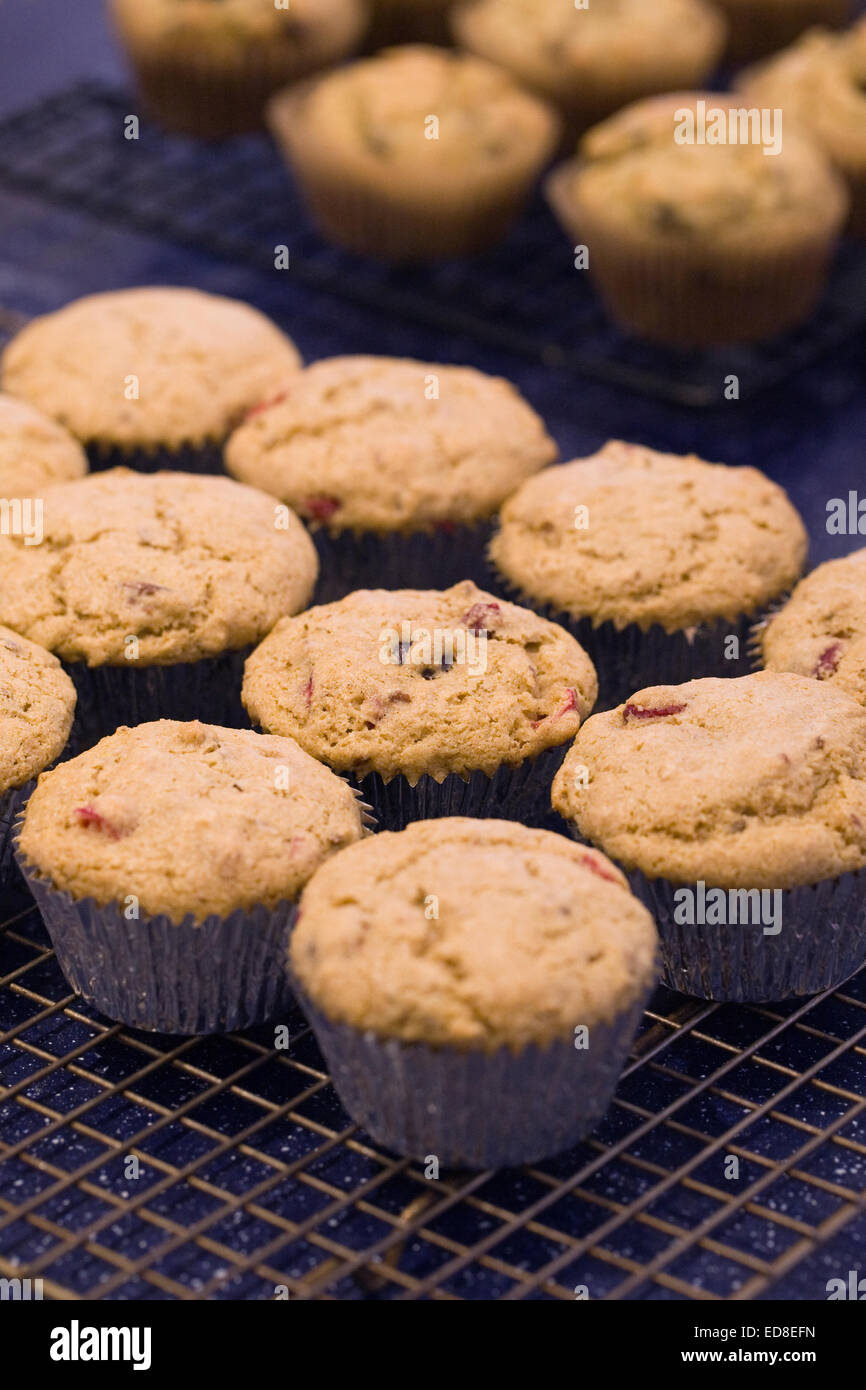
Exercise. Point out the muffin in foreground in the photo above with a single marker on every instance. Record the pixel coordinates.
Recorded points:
(152, 587)
(208, 70)
(821, 630)
(37, 703)
(397, 465)
(821, 83)
(694, 244)
(415, 154)
(152, 378)
(738, 808)
(436, 702)
(167, 863)
(657, 563)
(593, 59)
(475, 987)
(35, 451)
(756, 27)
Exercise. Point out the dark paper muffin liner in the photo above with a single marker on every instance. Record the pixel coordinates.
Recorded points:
(632, 658)
(519, 793)
(205, 457)
(472, 1109)
(757, 629)
(224, 974)
(420, 560)
(12, 803)
(111, 696)
(822, 941)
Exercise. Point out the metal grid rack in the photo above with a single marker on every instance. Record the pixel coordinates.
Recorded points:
(250, 1176)
(236, 201)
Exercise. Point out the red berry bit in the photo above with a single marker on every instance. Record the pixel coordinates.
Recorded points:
(88, 816)
(828, 662)
(320, 508)
(266, 405)
(479, 618)
(571, 703)
(595, 864)
(143, 588)
(307, 692)
(632, 712)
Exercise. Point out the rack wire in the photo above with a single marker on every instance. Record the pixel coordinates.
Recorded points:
(236, 201)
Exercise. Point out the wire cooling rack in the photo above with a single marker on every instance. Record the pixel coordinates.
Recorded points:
(235, 200)
(135, 1166)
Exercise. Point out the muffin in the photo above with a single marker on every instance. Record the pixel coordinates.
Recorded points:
(37, 703)
(404, 21)
(152, 587)
(694, 244)
(739, 810)
(590, 61)
(657, 563)
(476, 992)
(398, 466)
(152, 378)
(821, 84)
(208, 70)
(34, 451)
(821, 630)
(416, 154)
(436, 703)
(167, 863)
(756, 27)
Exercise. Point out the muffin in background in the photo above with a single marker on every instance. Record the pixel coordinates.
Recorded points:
(436, 703)
(409, 21)
(152, 378)
(757, 27)
(477, 991)
(694, 244)
(821, 630)
(208, 69)
(152, 587)
(653, 561)
(591, 61)
(738, 809)
(35, 451)
(397, 465)
(167, 863)
(37, 703)
(821, 83)
(415, 154)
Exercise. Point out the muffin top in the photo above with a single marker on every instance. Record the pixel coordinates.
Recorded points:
(409, 682)
(189, 819)
(634, 536)
(634, 170)
(755, 782)
(821, 82)
(37, 702)
(155, 567)
(424, 120)
(472, 934)
(556, 47)
(821, 631)
(320, 29)
(34, 451)
(148, 367)
(384, 444)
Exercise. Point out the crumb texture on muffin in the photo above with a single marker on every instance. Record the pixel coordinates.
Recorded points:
(754, 782)
(635, 536)
(385, 444)
(147, 367)
(472, 934)
(37, 703)
(188, 819)
(187, 566)
(34, 450)
(821, 630)
(411, 682)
